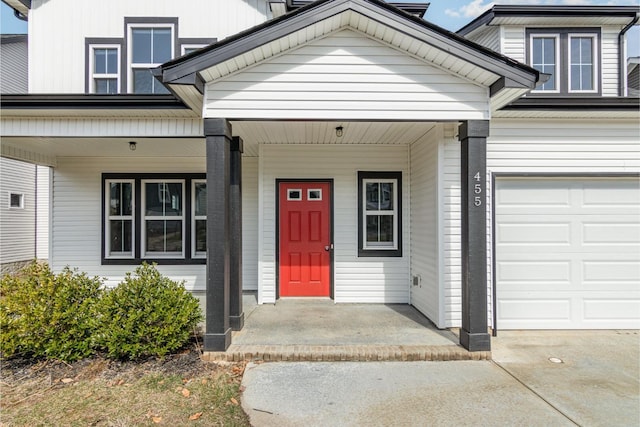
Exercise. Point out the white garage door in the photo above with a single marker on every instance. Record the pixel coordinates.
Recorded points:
(567, 253)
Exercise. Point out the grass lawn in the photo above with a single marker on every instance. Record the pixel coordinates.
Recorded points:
(174, 391)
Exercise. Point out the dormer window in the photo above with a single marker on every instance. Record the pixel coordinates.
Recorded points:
(570, 56)
(150, 46)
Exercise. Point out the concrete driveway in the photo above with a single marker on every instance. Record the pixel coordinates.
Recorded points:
(550, 378)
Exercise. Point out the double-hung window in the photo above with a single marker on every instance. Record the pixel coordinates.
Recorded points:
(163, 221)
(150, 45)
(544, 58)
(119, 225)
(199, 222)
(379, 209)
(155, 217)
(104, 66)
(582, 65)
(569, 56)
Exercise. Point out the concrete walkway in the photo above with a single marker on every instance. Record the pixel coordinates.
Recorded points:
(536, 379)
(320, 330)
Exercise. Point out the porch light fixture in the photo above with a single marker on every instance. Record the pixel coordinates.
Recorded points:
(339, 131)
(132, 145)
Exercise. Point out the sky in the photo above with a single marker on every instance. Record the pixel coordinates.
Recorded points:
(449, 14)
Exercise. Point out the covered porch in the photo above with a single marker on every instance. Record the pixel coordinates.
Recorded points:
(319, 330)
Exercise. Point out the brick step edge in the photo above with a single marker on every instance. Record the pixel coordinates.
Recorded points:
(348, 353)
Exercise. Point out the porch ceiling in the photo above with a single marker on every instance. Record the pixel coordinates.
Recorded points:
(255, 133)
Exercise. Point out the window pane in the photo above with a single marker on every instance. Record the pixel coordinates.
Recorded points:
(100, 61)
(142, 81)
(161, 45)
(587, 77)
(164, 236)
(112, 61)
(373, 193)
(537, 51)
(586, 50)
(380, 229)
(120, 238)
(141, 46)
(163, 199)
(549, 53)
(201, 199)
(386, 229)
(201, 236)
(386, 196)
(575, 50)
(109, 86)
(120, 198)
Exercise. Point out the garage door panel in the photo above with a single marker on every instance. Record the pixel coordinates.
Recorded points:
(627, 310)
(547, 275)
(611, 275)
(538, 233)
(570, 260)
(533, 311)
(619, 233)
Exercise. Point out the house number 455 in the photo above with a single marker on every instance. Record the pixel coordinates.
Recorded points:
(477, 189)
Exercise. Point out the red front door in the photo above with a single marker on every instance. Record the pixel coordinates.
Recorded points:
(305, 238)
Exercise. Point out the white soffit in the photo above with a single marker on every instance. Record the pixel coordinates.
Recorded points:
(394, 38)
(566, 114)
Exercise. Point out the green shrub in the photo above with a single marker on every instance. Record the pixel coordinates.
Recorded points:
(146, 315)
(47, 315)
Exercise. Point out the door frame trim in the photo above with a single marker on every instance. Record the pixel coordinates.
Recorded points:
(540, 175)
(331, 228)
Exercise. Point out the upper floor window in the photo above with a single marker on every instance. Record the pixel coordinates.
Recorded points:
(581, 63)
(570, 56)
(123, 65)
(150, 46)
(105, 77)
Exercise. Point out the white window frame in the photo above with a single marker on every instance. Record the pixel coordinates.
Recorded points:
(299, 190)
(309, 190)
(108, 218)
(556, 37)
(594, 56)
(144, 254)
(21, 204)
(380, 245)
(130, 65)
(186, 46)
(195, 254)
(93, 75)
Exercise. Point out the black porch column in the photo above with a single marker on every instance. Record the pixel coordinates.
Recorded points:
(236, 317)
(474, 335)
(218, 139)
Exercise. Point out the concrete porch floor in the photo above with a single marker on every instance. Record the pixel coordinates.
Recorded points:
(320, 330)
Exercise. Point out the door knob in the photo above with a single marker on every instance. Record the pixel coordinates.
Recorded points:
(329, 247)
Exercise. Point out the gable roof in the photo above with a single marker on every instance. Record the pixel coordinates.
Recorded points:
(561, 15)
(187, 75)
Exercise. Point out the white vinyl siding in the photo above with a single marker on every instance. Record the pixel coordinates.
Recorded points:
(250, 223)
(363, 280)
(77, 205)
(54, 24)
(609, 60)
(14, 65)
(425, 230)
(346, 76)
(512, 43)
(77, 223)
(43, 201)
(489, 37)
(17, 225)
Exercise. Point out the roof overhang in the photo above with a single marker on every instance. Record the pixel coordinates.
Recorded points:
(551, 15)
(572, 107)
(508, 79)
(21, 6)
(80, 105)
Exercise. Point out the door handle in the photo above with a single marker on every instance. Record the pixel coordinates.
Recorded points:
(328, 247)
